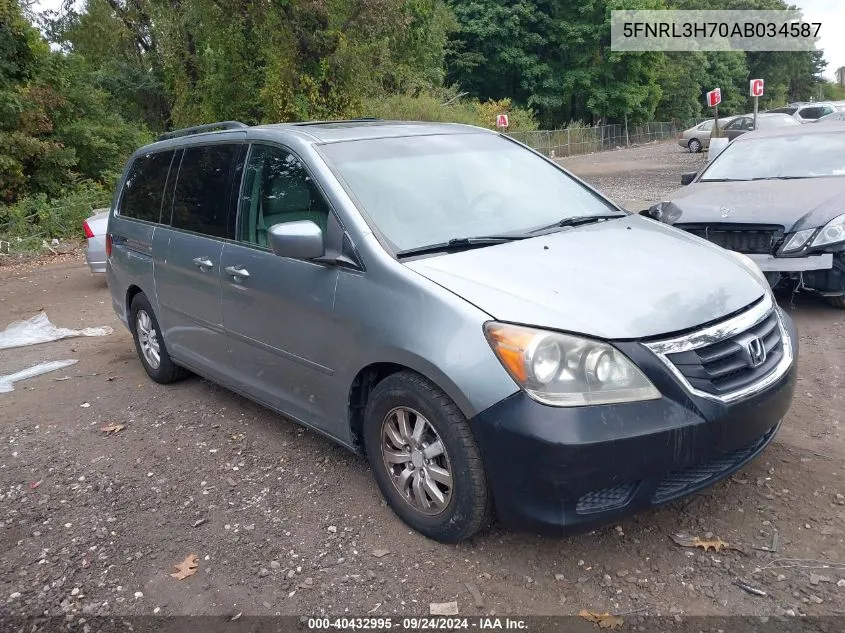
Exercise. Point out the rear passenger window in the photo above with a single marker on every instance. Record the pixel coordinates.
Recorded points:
(201, 199)
(144, 187)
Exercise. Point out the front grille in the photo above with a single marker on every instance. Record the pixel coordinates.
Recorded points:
(727, 365)
(679, 482)
(740, 238)
(604, 499)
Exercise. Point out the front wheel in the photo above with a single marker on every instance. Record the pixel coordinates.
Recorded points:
(425, 459)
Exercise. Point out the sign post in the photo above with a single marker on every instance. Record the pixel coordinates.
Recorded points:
(714, 98)
(756, 92)
(502, 121)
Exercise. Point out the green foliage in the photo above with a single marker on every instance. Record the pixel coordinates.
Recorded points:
(40, 217)
(56, 126)
(441, 107)
(832, 91)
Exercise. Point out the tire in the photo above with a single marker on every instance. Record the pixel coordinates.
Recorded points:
(146, 332)
(694, 145)
(466, 505)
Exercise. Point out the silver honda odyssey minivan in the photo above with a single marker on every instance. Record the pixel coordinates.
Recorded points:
(496, 336)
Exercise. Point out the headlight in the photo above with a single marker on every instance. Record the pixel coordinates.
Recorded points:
(567, 371)
(798, 240)
(833, 232)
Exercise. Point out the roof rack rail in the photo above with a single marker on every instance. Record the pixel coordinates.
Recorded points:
(355, 120)
(198, 129)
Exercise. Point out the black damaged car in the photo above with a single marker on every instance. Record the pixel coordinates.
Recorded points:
(777, 196)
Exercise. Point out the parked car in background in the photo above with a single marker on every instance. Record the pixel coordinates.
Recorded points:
(697, 137)
(765, 121)
(806, 112)
(95, 238)
(839, 115)
(777, 196)
(485, 327)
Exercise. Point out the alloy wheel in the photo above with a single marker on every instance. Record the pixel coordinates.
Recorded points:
(147, 339)
(416, 460)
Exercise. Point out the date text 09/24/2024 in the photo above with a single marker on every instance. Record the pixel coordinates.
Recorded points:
(417, 624)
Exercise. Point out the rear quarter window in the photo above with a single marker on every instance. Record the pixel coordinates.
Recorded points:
(201, 198)
(144, 187)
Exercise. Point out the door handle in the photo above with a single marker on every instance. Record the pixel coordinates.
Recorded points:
(203, 262)
(237, 271)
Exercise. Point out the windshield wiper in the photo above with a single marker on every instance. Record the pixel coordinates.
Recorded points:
(576, 220)
(780, 178)
(460, 243)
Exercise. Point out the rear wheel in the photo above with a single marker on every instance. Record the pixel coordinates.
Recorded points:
(694, 145)
(837, 302)
(149, 344)
(425, 459)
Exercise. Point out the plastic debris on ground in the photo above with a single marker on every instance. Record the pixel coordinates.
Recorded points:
(38, 329)
(7, 382)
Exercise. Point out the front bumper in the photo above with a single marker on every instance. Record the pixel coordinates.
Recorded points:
(567, 469)
(769, 263)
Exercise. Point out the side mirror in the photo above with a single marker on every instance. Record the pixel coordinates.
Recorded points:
(688, 178)
(302, 239)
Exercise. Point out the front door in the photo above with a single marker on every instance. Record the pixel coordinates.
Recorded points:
(277, 312)
(188, 276)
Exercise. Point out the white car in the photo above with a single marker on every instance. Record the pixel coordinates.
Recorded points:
(95, 236)
(806, 112)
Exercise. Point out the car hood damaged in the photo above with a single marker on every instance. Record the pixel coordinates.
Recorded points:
(793, 204)
(622, 279)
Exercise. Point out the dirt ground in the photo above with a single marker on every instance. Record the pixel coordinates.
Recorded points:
(284, 522)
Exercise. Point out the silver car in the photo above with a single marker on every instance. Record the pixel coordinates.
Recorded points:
(697, 137)
(94, 229)
(489, 330)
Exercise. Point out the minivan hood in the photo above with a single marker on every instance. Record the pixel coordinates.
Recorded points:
(621, 279)
(793, 204)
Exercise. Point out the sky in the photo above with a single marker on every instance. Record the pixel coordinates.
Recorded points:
(831, 14)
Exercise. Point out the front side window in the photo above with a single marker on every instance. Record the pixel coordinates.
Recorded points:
(144, 187)
(201, 198)
(423, 190)
(736, 124)
(277, 189)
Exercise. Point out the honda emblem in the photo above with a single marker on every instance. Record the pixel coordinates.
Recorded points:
(756, 352)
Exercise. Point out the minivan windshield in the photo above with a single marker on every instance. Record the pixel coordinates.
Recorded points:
(780, 157)
(426, 190)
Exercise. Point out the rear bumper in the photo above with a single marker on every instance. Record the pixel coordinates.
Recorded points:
(95, 254)
(560, 470)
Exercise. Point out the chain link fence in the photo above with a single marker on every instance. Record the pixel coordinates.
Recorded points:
(584, 140)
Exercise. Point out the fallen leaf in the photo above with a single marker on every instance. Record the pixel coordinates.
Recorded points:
(378, 553)
(85, 405)
(187, 567)
(112, 428)
(604, 620)
(685, 540)
(34, 484)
